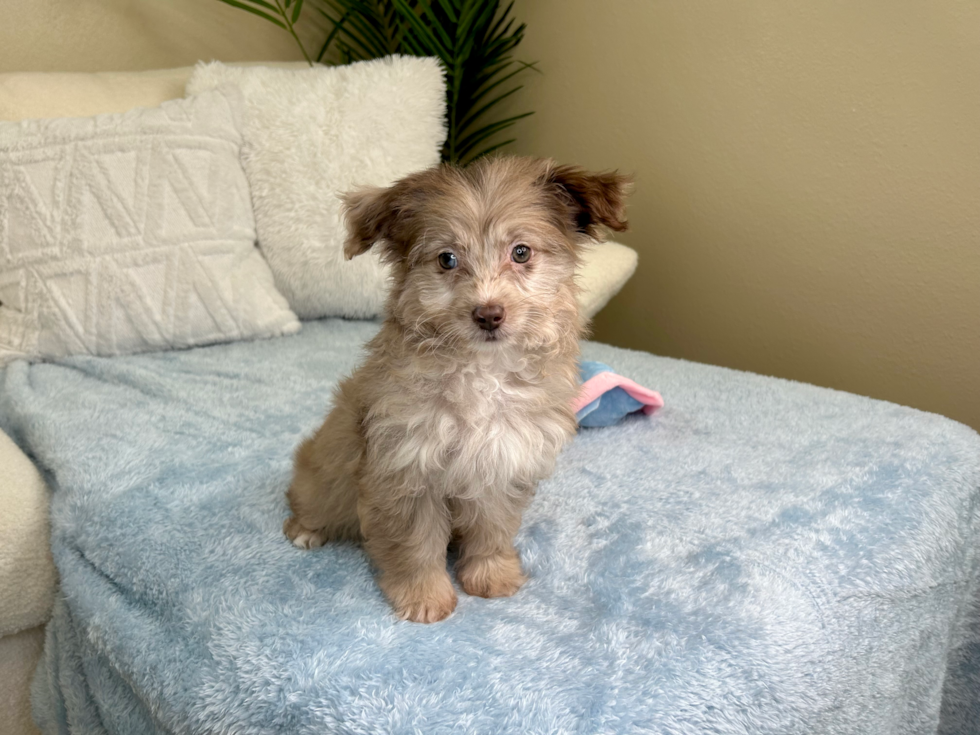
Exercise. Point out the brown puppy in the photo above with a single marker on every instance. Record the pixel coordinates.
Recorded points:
(464, 401)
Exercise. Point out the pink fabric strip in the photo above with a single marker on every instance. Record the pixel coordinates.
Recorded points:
(599, 384)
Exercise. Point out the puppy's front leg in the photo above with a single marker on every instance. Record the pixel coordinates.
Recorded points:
(488, 563)
(406, 538)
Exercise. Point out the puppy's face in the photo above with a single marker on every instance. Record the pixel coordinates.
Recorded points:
(485, 256)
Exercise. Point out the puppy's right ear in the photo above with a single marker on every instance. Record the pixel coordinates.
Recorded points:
(370, 215)
(390, 215)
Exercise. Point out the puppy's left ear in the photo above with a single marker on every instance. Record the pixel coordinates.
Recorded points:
(593, 200)
(370, 214)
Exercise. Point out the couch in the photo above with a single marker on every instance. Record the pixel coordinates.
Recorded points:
(758, 556)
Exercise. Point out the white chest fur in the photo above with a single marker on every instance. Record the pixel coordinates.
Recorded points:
(473, 429)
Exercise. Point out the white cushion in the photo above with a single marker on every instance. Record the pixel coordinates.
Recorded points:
(604, 270)
(130, 232)
(29, 95)
(314, 133)
(26, 95)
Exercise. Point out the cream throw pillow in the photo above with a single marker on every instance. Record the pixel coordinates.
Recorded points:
(130, 232)
(314, 133)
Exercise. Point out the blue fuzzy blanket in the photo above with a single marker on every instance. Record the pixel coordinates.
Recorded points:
(759, 556)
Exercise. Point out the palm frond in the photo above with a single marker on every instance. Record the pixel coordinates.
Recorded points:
(364, 27)
(276, 12)
(474, 138)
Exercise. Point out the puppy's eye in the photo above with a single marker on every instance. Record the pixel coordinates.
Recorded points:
(521, 253)
(447, 261)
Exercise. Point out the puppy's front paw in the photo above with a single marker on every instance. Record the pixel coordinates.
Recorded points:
(422, 602)
(493, 576)
(303, 537)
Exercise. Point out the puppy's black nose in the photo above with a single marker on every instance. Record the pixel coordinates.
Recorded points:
(489, 317)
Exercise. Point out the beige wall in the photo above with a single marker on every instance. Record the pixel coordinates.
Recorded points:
(808, 180)
(124, 35)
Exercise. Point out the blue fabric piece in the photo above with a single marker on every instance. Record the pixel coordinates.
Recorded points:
(765, 557)
(588, 369)
(609, 408)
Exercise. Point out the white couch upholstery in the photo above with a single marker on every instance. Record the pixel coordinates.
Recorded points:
(27, 581)
(27, 574)
(19, 654)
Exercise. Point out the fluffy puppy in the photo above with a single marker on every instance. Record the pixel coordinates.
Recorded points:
(464, 401)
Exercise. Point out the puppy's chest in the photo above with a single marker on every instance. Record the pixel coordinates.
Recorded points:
(482, 400)
(477, 428)
(481, 409)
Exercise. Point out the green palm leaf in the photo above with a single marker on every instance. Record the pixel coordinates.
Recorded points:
(481, 134)
(363, 29)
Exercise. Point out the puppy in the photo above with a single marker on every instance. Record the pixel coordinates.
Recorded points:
(464, 401)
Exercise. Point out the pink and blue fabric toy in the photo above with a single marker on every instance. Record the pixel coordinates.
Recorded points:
(607, 398)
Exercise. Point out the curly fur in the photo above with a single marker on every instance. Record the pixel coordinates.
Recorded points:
(446, 429)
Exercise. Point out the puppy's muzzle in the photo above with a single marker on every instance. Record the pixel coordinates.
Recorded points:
(489, 317)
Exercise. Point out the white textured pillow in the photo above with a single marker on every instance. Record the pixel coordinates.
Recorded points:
(313, 134)
(130, 232)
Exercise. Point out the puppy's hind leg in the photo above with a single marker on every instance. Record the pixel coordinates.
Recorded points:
(323, 493)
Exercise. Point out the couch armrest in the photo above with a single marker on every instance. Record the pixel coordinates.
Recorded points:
(27, 573)
(19, 654)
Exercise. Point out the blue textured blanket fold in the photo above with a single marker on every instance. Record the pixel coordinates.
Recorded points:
(760, 557)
